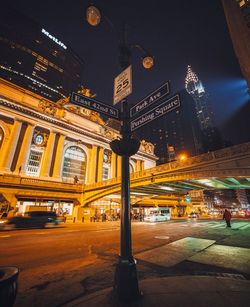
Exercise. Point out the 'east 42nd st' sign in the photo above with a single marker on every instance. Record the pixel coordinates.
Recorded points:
(162, 109)
(95, 105)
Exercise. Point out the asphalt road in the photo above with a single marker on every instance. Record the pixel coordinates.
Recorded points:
(60, 264)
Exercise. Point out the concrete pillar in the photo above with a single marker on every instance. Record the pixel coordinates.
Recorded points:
(92, 165)
(47, 156)
(59, 157)
(100, 164)
(24, 152)
(9, 147)
(11, 199)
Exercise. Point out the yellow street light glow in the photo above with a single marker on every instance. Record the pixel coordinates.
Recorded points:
(148, 62)
(93, 15)
(183, 157)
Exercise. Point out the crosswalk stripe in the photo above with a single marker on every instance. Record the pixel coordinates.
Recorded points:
(245, 226)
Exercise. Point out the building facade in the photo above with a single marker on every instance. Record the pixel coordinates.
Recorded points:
(237, 14)
(49, 151)
(35, 59)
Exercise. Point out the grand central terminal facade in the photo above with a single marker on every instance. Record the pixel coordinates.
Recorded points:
(60, 146)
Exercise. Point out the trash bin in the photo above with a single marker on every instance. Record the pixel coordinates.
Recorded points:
(8, 285)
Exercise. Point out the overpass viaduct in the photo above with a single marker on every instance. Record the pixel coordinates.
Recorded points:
(228, 168)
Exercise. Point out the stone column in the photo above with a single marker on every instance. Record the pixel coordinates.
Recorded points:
(138, 165)
(142, 165)
(119, 166)
(92, 164)
(9, 147)
(47, 156)
(59, 157)
(24, 152)
(113, 165)
(100, 164)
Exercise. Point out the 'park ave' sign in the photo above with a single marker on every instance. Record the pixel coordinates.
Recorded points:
(161, 92)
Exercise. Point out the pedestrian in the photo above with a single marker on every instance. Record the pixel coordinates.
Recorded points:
(227, 217)
(104, 217)
(76, 179)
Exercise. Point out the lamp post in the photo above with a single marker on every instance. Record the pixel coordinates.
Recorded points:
(126, 282)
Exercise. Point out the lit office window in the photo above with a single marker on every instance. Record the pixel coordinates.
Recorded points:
(74, 164)
(241, 2)
(34, 162)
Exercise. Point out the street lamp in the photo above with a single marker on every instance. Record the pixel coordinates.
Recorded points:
(126, 282)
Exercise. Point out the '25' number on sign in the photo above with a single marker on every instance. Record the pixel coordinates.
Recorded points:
(121, 86)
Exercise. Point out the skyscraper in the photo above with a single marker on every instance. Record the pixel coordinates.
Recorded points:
(36, 60)
(196, 89)
(237, 13)
(211, 139)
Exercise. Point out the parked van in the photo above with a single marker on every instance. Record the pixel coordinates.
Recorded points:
(159, 214)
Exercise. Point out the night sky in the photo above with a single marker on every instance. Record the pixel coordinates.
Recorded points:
(177, 33)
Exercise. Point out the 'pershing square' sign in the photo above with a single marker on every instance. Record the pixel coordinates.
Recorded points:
(158, 111)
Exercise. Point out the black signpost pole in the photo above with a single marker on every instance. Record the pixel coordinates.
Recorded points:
(126, 282)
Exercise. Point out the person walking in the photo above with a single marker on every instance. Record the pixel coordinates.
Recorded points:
(227, 217)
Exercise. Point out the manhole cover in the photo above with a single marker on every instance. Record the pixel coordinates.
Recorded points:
(162, 237)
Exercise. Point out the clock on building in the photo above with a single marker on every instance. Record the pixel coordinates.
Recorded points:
(39, 139)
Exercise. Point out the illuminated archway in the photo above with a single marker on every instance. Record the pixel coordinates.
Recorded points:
(74, 164)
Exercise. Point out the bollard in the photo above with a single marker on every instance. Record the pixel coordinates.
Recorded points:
(8, 286)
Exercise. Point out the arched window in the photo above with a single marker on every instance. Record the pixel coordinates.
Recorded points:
(1, 137)
(74, 164)
(131, 168)
(106, 168)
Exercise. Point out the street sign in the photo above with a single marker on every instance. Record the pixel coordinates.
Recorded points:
(92, 104)
(162, 109)
(161, 92)
(123, 85)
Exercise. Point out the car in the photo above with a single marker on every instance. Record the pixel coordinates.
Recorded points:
(247, 213)
(193, 215)
(32, 219)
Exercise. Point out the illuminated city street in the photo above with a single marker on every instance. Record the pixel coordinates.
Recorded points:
(62, 264)
(125, 153)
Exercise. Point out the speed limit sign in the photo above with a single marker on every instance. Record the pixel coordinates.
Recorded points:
(123, 85)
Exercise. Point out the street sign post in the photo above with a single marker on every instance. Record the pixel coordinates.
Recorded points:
(92, 104)
(156, 95)
(123, 85)
(158, 111)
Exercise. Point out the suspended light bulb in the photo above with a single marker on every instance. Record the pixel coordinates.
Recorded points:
(93, 16)
(148, 62)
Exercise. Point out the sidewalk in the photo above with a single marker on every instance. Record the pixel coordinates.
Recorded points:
(178, 291)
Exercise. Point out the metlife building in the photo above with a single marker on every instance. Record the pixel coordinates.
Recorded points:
(35, 59)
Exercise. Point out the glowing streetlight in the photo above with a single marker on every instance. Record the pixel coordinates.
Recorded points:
(93, 15)
(183, 157)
